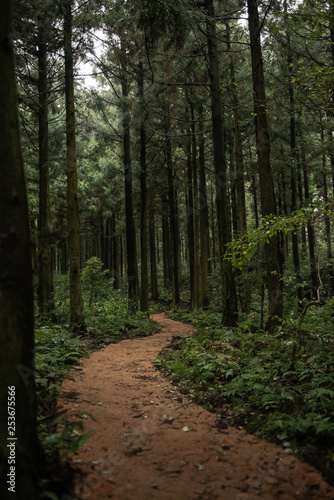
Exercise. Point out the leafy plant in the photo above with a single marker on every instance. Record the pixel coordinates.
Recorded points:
(248, 377)
(94, 279)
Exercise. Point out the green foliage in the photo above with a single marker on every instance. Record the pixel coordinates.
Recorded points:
(94, 279)
(56, 353)
(248, 375)
(109, 320)
(241, 250)
(67, 437)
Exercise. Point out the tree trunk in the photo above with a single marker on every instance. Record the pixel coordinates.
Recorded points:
(131, 248)
(17, 388)
(76, 302)
(229, 297)
(326, 217)
(143, 194)
(310, 229)
(203, 215)
(237, 146)
(166, 252)
(153, 253)
(173, 215)
(45, 274)
(197, 243)
(190, 224)
(267, 194)
(294, 161)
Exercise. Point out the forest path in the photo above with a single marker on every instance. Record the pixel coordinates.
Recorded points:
(151, 443)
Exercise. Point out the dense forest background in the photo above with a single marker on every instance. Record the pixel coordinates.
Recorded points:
(199, 150)
(180, 155)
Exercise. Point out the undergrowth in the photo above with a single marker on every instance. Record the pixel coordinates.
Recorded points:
(254, 379)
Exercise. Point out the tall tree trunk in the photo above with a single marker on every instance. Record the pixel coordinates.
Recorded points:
(116, 252)
(143, 192)
(173, 215)
(203, 215)
(76, 302)
(229, 296)
(233, 190)
(267, 194)
(45, 274)
(237, 146)
(294, 161)
(190, 224)
(301, 198)
(310, 229)
(131, 248)
(326, 217)
(18, 435)
(153, 252)
(198, 301)
(166, 251)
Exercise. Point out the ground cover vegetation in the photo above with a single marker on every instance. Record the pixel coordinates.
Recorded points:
(268, 384)
(193, 170)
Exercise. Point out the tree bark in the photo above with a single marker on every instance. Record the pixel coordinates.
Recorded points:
(131, 247)
(198, 297)
(267, 194)
(326, 217)
(294, 160)
(45, 274)
(153, 253)
(166, 251)
(203, 215)
(143, 191)
(237, 148)
(16, 293)
(76, 302)
(229, 297)
(311, 236)
(190, 224)
(173, 216)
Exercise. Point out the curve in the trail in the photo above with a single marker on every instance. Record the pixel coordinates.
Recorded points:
(151, 443)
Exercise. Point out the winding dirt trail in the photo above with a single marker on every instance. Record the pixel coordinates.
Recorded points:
(151, 443)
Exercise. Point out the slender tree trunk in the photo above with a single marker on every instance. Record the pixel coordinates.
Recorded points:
(153, 252)
(237, 145)
(229, 296)
(301, 198)
(213, 229)
(310, 229)
(115, 251)
(198, 301)
(17, 388)
(173, 216)
(267, 194)
(45, 274)
(143, 213)
(203, 215)
(294, 161)
(326, 217)
(76, 302)
(190, 224)
(233, 190)
(166, 252)
(131, 247)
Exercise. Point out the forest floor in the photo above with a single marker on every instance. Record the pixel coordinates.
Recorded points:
(152, 443)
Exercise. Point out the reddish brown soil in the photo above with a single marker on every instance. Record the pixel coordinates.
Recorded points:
(151, 443)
